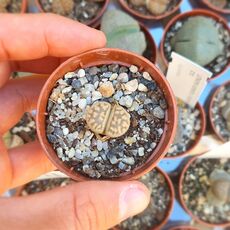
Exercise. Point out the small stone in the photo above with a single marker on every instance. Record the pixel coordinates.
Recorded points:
(131, 86)
(142, 88)
(129, 160)
(133, 69)
(81, 73)
(94, 153)
(146, 129)
(59, 151)
(160, 131)
(70, 75)
(83, 80)
(65, 131)
(118, 95)
(121, 165)
(78, 154)
(130, 140)
(106, 89)
(71, 153)
(159, 112)
(93, 70)
(99, 145)
(147, 76)
(59, 100)
(113, 76)
(128, 101)
(123, 77)
(87, 142)
(141, 151)
(113, 160)
(67, 89)
(96, 95)
(76, 84)
(82, 103)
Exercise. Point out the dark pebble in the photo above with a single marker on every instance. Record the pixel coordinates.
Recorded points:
(76, 84)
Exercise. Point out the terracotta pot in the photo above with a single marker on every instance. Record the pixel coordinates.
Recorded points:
(24, 6)
(149, 38)
(184, 228)
(89, 23)
(96, 58)
(170, 208)
(210, 110)
(211, 6)
(149, 17)
(185, 206)
(198, 12)
(199, 136)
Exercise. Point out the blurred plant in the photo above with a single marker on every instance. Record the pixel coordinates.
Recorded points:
(3, 5)
(199, 40)
(123, 32)
(62, 7)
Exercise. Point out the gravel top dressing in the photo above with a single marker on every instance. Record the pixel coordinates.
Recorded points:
(12, 6)
(158, 207)
(80, 10)
(196, 184)
(220, 114)
(44, 185)
(157, 8)
(223, 4)
(189, 126)
(188, 43)
(105, 121)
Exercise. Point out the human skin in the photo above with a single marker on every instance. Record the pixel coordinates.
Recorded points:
(38, 44)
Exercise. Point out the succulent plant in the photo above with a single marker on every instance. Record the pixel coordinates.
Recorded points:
(123, 32)
(157, 6)
(219, 192)
(62, 7)
(198, 39)
(219, 3)
(226, 114)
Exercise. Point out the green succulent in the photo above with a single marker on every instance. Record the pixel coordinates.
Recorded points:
(123, 32)
(198, 39)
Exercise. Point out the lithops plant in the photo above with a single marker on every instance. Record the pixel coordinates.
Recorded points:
(219, 192)
(62, 7)
(219, 3)
(226, 114)
(198, 39)
(123, 32)
(108, 120)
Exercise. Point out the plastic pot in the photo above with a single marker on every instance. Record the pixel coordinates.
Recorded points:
(151, 45)
(96, 58)
(184, 204)
(211, 6)
(89, 23)
(171, 202)
(180, 17)
(149, 17)
(210, 115)
(199, 135)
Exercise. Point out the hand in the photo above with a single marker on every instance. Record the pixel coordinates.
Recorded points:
(39, 43)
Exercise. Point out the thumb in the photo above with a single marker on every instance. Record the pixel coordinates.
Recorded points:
(82, 206)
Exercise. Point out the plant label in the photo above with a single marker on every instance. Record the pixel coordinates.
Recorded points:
(187, 79)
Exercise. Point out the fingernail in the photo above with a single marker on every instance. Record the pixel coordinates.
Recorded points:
(133, 200)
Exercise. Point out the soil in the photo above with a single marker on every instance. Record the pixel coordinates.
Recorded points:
(189, 129)
(143, 10)
(216, 112)
(218, 64)
(84, 10)
(195, 186)
(158, 207)
(44, 185)
(14, 6)
(78, 147)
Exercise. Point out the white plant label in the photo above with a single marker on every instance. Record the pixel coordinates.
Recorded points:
(187, 79)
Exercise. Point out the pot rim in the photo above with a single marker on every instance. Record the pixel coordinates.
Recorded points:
(23, 6)
(182, 227)
(108, 56)
(150, 17)
(187, 165)
(216, 91)
(89, 23)
(192, 13)
(199, 136)
(215, 8)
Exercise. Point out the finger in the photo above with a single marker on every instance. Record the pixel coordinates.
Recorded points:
(82, 206)
(17, 97)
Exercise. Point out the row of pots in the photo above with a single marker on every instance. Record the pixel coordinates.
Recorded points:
(183, 180)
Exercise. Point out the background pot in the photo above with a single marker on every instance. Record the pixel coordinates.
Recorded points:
(215, 8)
(24, 6)
(198, 12)
(89, 23)
(184, 204)
(96, 58)
(184, 228)
(149, 17)
(199, 136)
(210, 110)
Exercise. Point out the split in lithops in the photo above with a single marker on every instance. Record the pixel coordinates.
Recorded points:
(104, 121)
(81, 10)
(188, 129)
(152, 7)
(44, 185)
(220, 112)
(206, 189)
(123, 32)
(12, 6)
(222, 4)
(158, 207)
(200, 39)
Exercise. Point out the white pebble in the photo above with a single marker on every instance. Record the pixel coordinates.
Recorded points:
(65, 131)
(142, 88)
(81, 73)
(141, 151)
(70, 75)
(133, 68)
(131, 86)
(83, 80)
(67, 89)
(147, 76)
(71, 153)
(113, 76)
(123, 77)
(82, 103)
(96, 95)
(59, 100)
(128, 101)
(99, 145)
